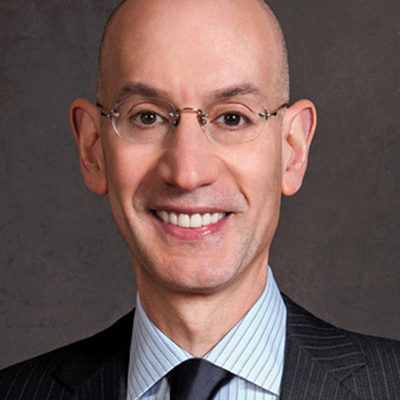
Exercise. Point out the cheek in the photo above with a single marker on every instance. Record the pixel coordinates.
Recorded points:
(259, 173)
(126, 168)
(264, 194)
(126, 171)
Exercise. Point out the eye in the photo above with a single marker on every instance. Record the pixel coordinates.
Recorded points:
(231, 116)
(146, 117)
(231, 119)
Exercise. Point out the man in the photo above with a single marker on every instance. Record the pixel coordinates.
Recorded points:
(194, 142)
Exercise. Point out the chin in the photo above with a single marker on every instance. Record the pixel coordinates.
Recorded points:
(204, 287)
(203, 278)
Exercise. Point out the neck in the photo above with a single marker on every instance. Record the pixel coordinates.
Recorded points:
(196, 322)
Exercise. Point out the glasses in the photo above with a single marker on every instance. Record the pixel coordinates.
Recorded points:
(152, 120)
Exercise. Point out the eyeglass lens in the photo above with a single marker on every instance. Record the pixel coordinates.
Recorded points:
(151, 121)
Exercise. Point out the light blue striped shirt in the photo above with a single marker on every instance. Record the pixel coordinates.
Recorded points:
(253, 350)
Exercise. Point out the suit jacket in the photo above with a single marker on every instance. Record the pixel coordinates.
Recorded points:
(321, 362)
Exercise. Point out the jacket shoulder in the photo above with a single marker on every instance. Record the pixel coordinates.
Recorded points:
(301, 321)
(33, 378)
(368, 366)
(55, 374)
(382, 360)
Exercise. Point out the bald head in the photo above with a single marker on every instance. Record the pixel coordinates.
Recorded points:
(112, 34)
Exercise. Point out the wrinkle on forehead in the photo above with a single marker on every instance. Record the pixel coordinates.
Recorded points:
(133, 18)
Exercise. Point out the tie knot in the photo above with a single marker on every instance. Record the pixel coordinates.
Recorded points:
(197, 379)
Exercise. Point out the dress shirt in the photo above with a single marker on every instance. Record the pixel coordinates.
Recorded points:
(253, 350)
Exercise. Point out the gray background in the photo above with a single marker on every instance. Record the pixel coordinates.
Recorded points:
(66, 274)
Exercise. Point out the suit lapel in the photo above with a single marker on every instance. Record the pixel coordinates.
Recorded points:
(319, 359)
(97, 367)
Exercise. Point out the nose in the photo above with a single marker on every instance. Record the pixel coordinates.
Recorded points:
(189, 160)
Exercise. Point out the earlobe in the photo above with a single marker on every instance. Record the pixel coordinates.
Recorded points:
(298, 127)
(84, 123)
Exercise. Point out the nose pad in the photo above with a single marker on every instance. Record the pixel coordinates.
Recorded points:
(201, 116)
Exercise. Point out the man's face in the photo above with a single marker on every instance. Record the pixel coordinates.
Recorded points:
(188, 53)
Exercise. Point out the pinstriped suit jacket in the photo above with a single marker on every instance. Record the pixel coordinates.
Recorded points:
(321, 362)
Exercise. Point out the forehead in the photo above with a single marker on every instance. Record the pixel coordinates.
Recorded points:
(188, 48)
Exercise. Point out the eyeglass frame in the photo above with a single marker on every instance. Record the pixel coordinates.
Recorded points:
(176, 114)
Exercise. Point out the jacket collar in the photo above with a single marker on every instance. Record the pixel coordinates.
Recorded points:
(317, 352)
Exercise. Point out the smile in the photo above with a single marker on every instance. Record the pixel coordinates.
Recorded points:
(190, 221)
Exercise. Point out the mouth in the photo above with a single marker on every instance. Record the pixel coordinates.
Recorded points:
(190, 221)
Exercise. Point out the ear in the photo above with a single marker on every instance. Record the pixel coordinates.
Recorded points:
(298, 126)
(84, 118)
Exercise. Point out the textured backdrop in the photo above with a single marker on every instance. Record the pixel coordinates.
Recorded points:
(65, 273)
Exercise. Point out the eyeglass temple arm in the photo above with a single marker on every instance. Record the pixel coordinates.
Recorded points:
(267, 114)
(102, 112)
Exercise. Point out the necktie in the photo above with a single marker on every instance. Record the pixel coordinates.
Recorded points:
(197, 379)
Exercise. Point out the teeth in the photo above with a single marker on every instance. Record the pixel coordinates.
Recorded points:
(172, 219)
(195, 221)
(190, 221)
(214, 218)
(183, 220)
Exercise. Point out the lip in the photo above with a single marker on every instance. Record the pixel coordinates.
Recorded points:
(189, 210)
(191, 233)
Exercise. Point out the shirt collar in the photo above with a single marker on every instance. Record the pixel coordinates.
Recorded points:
(253, 349)
(152, 354)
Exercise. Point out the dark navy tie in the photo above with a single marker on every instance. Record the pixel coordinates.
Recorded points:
(197, 379)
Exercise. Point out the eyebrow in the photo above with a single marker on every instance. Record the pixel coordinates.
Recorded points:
(132, 89)
(237, 90)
